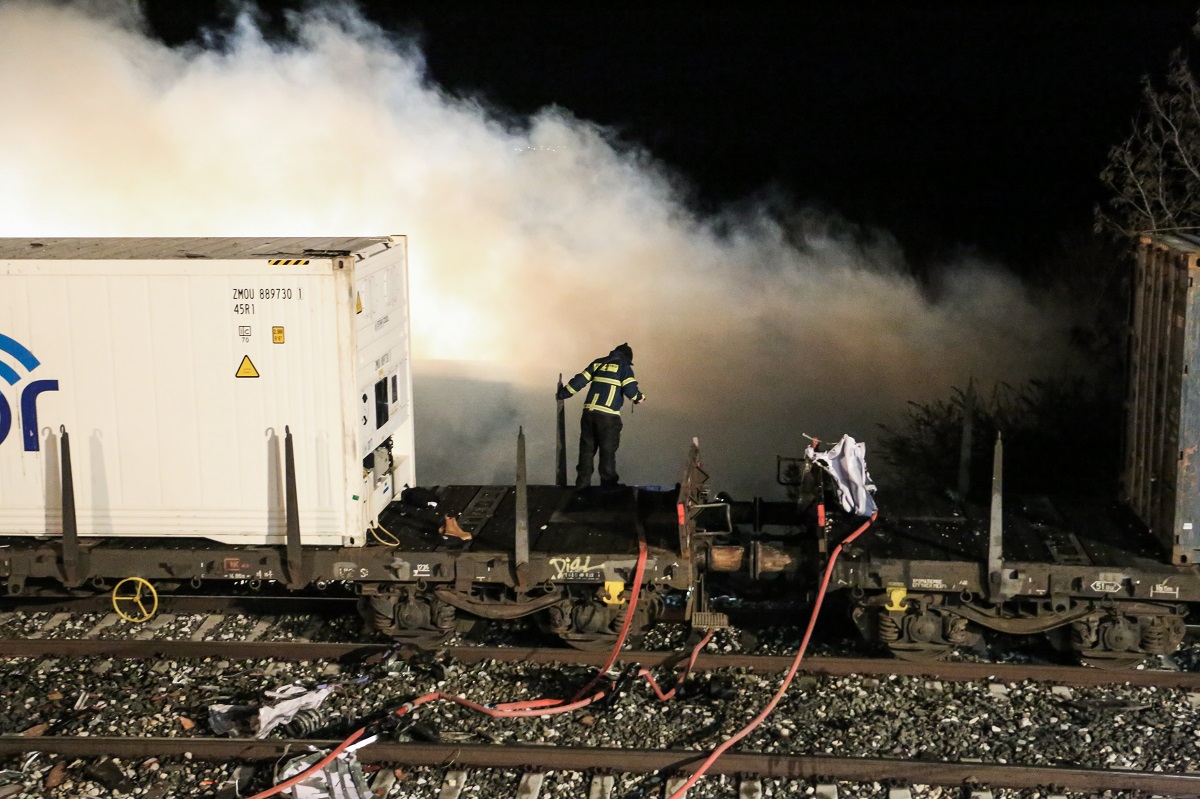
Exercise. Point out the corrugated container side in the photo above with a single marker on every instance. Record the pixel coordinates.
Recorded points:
(1160, 475)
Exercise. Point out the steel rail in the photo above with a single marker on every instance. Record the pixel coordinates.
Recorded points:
(637, 761)
(275, 604)
(952, 671)
(192, 603)
(331, 606)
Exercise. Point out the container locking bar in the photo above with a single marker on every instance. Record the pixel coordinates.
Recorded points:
(294, 559)
(70, 525)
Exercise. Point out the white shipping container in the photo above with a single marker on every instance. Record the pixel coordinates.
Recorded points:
(175, 365)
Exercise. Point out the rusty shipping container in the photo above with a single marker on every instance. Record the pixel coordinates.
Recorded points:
(1161, 473)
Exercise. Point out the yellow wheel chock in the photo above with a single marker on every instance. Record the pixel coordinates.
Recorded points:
(134, 600)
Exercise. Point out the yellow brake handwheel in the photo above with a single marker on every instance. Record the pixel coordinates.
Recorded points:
(134, 602)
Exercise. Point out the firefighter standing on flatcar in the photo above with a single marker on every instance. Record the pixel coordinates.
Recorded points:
(612, 382)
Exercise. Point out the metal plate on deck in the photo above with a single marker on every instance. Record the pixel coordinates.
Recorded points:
(706, 620)
(481, 508)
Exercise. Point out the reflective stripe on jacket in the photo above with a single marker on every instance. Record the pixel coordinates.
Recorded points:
(612, 381)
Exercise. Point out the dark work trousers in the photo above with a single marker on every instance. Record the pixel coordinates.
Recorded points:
(602, 430)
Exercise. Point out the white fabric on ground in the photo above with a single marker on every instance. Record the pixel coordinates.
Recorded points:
(342, 779)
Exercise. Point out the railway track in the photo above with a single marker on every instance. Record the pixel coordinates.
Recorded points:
(109, 637)
(326, 606)
(828, 666)
(743, 614)
(192, 603)
(474, 761)
(604, 763)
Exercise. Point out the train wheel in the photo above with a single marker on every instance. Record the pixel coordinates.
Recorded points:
(593, 626)
(919, 653)
(376, 615)
(920, 636)
(422, 639)
(414, 620)
(1162, 635)
(135, 600)
(590, 642)
(1110, 643)
(1111, 661)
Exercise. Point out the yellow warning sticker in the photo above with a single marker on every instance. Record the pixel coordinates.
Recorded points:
(288, 262)
(359, 304)
(277, 334)
(246, 369)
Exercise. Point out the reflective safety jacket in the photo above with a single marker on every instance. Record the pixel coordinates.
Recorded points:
(612, 381)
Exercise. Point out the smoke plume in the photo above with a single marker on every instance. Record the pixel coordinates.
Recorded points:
(536, 244)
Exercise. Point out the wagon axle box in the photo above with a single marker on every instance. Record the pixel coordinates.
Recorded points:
(176, 364)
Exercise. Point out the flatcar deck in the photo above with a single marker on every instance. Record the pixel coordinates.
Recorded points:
(591, 521)
(1069, 531)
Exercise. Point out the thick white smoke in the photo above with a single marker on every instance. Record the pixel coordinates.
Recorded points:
(535, 247)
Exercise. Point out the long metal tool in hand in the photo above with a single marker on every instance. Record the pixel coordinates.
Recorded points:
(560, 442)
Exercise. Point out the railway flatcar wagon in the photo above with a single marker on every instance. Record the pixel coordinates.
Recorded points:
(179, 366)
(1115, 585)
(181, 412)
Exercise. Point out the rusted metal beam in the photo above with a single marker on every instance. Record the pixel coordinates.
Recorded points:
(834, 667)
(258, 605)
(773, 765)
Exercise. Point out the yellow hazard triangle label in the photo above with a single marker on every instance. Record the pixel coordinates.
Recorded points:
(358, 304)
(246, 369)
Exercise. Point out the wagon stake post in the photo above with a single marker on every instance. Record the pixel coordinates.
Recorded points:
(521, 533)
(1000, 585)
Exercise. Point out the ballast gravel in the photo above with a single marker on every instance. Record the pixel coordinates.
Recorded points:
(1030, 723)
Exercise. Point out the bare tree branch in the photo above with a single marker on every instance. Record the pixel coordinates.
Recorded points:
(1154, 174)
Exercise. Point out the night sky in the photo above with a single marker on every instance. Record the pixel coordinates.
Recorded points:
(981, 127)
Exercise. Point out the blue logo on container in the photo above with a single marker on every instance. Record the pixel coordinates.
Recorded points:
(29, 394)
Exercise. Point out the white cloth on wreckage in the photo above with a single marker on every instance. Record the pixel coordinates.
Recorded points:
(846, 462)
